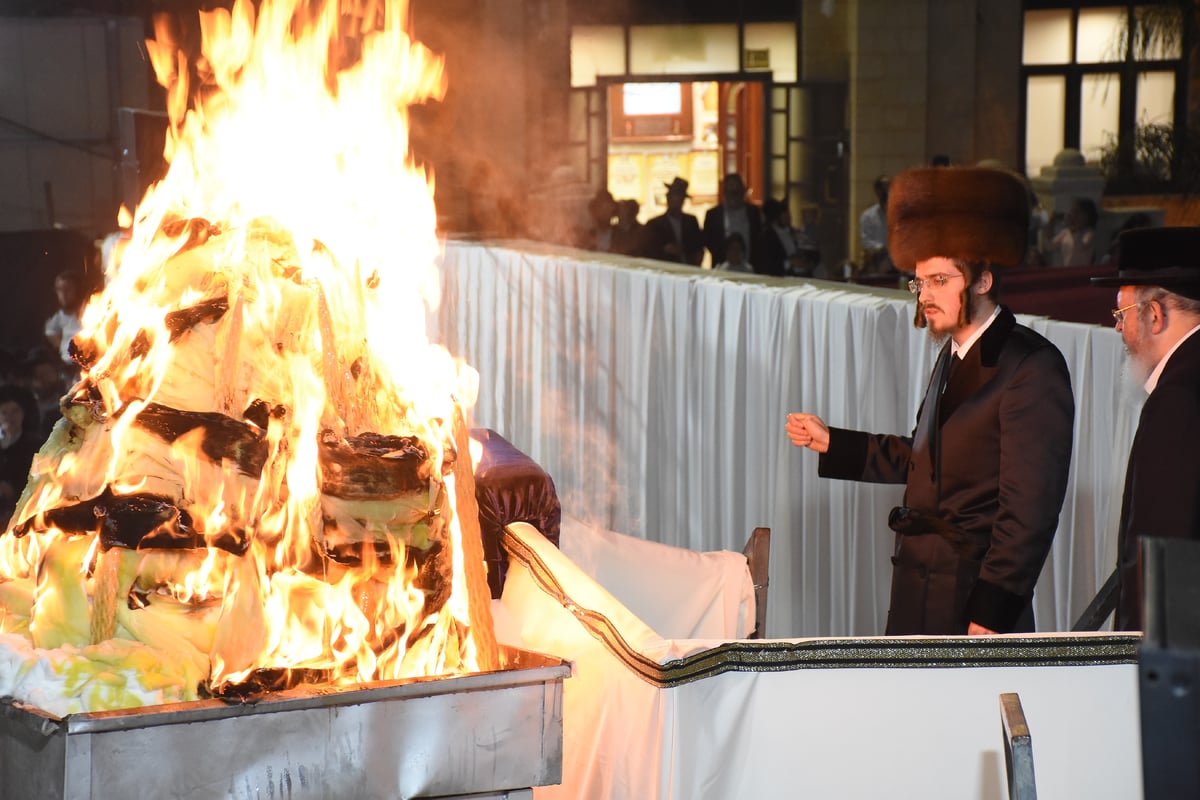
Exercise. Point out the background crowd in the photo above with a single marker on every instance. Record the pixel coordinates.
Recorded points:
(31, 384)
(738, 235)
(774, 238)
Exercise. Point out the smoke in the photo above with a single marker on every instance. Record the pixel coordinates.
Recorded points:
(475, 151)
(580, 447)
(559, 394)
(500, 170)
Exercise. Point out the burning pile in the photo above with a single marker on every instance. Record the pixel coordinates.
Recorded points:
(255, 480)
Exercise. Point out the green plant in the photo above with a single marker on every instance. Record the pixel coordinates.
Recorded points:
(1156, 158)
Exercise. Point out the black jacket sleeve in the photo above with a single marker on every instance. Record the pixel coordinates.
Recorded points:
(868, 457)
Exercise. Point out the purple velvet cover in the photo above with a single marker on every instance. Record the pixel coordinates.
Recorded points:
(510, 487)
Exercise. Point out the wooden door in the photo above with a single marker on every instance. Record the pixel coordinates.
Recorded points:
(740, 134)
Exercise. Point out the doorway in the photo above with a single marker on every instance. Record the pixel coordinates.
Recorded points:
(740, 134)
(788, 141)
(698, 130)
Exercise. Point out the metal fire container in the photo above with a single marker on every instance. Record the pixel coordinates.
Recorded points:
(481, 735)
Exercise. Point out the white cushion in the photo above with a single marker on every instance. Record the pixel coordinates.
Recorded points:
(681, 594)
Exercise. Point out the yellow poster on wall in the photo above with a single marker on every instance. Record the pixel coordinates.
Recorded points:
(627, 176)
(705, 175)
(661, 169)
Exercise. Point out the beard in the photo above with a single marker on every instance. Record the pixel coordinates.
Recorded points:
(938, 332)
(941, 327)
(1136, 372)
(1132, 388)
(1136, 368)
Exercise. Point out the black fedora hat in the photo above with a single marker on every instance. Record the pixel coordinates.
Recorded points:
(1166, 257)
(677, 186)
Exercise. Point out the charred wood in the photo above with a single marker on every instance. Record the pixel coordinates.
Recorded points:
(224, 437)
(181, 321)
(372, 466)
(196, 230)
(136, 522)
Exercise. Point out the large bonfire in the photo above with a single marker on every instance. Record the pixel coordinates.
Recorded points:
(253, 484)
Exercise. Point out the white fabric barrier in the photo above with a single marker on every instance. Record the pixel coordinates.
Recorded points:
(656, 398)
(791, 727)
(680, 594)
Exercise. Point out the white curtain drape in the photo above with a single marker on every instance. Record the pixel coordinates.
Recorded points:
(656, 397)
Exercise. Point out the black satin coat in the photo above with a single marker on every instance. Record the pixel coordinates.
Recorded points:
(658, 234)
(715, 233)
(990, 457)
(1162, 479)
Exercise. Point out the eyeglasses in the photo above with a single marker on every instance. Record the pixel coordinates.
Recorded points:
(1119, 313)
(936, 281)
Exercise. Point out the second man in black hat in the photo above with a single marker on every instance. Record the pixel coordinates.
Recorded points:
(1158, 316)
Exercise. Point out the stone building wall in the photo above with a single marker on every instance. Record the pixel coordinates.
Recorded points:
(888, 96)
(930, 77)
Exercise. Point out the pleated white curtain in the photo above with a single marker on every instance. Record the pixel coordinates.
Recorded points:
(656, 397)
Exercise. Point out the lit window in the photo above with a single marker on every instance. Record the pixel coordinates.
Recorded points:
(1162, 29)
(596, 50)
(652, 98)
(779, 40)
(1099, 112)
(1102, 79)
(1156, 98)
(1047, 37)
(683, 49)
(1045, 100)
(1100, 36)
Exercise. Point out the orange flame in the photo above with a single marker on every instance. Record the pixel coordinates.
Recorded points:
(285, 263)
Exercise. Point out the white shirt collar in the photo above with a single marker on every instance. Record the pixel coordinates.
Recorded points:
(961, 350)
(1152, 382)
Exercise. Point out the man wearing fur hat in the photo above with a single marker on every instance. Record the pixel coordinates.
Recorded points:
(985, 470)
(1158, 316)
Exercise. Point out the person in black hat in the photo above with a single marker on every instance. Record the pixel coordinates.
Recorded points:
(732, 215)
(675, 236)
(985, 470)
(602, 209)
(781, 252)
(1158, 316)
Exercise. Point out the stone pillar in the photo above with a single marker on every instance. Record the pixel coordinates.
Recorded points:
(974, 87)
(999, 30)
(824, 47)
(888, 83)
(951, 102)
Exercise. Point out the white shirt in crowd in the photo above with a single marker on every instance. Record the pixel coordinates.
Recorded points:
(738, 221)
(65, 326)
(873, 229)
